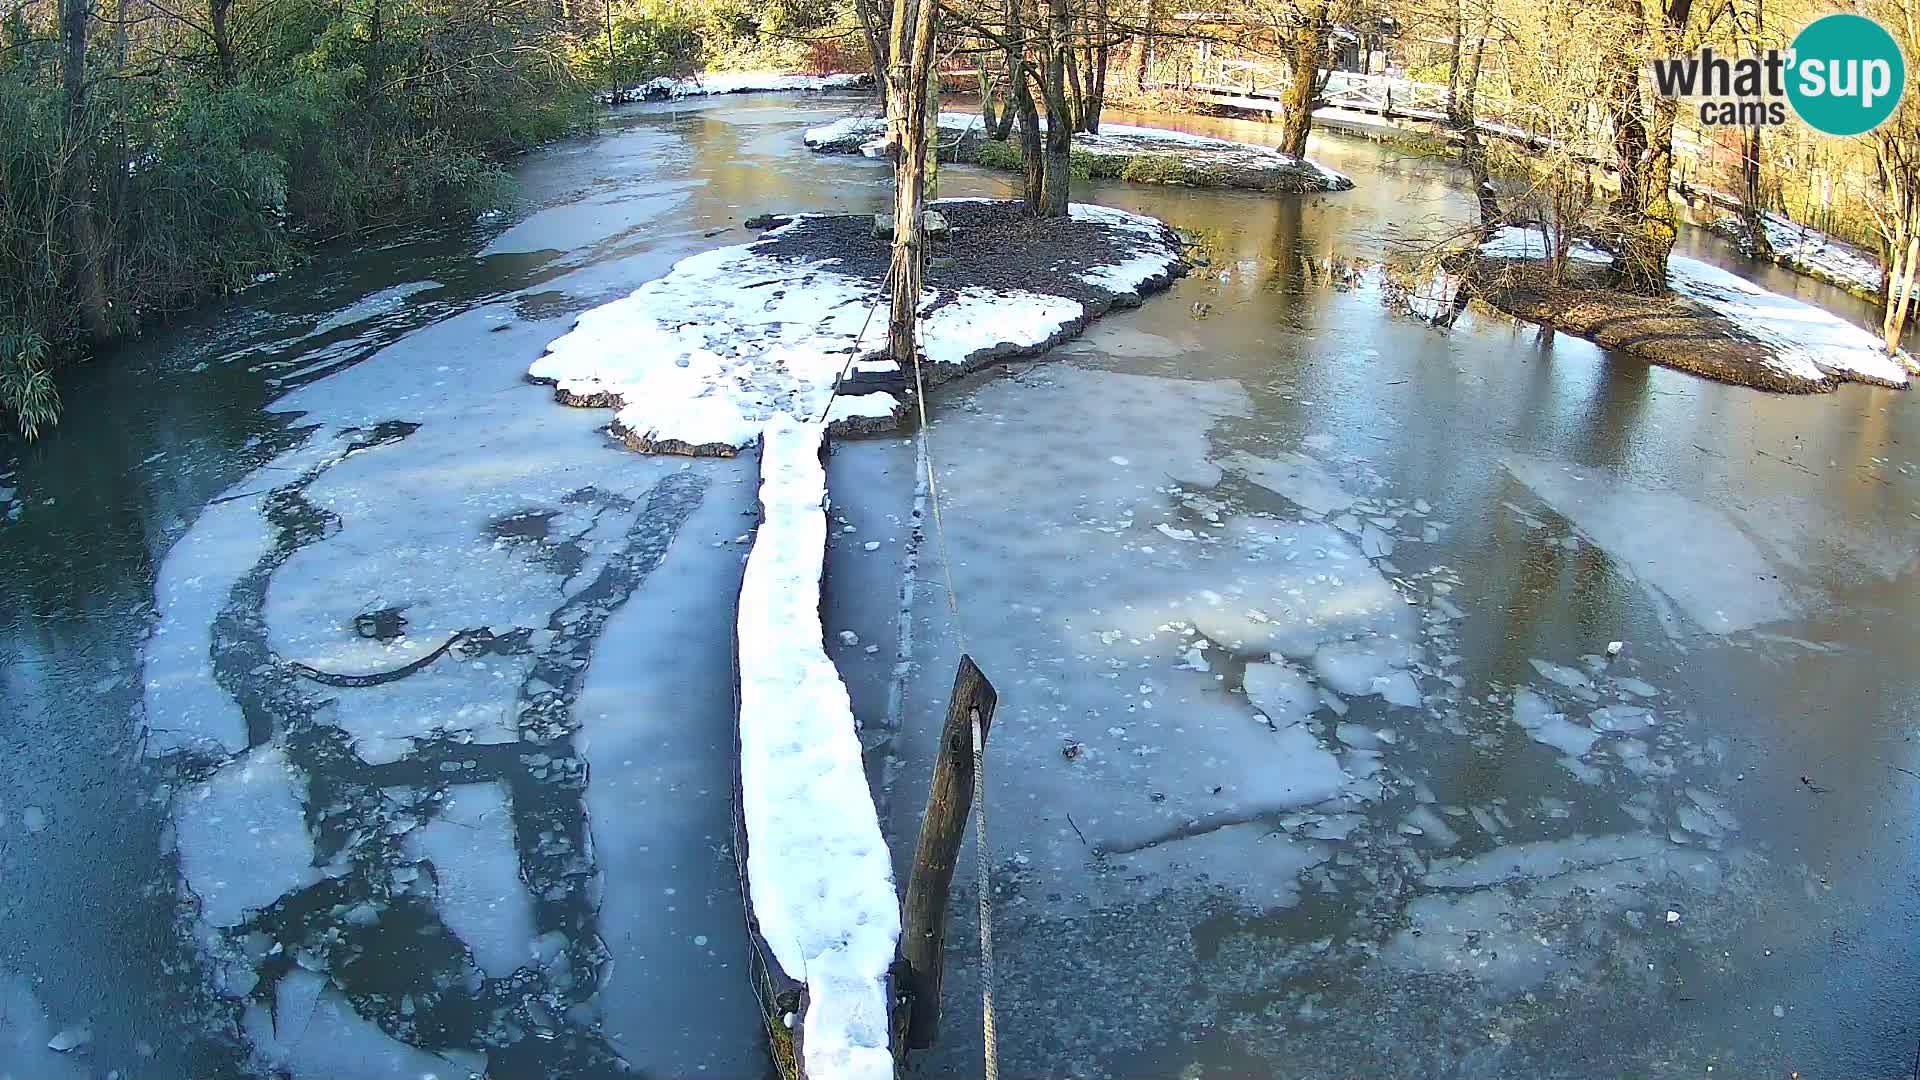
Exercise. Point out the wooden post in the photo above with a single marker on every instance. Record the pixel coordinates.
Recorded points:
(924, 915)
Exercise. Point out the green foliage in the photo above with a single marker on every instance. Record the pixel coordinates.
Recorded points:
(1156, 169)
(199, 175)
(997, 154)
(651, 39)
(26, 386)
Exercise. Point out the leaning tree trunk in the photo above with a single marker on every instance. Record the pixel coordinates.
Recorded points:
(1306, 51)
(1901, 286)
(1462, 100)
(83, 231)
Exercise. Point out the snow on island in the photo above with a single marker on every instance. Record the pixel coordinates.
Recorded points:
(1144, 155)
(820, 880)
(1712, 323)
(696, 362)
(667, 88)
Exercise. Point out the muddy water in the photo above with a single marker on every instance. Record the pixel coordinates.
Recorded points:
(242, 830)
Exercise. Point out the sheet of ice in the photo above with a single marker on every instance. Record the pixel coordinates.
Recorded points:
(1315, 588)
(242, 835)
(1366, 666)
(820, 877)
(314, 1034)
(383, 302)
(1089, 616)
(1517, 915)
(468, 699)
(480, 896)
(185, 708)
(1654, 536)
(1808, 341)
(1257, 863)
(1297, 478)
(1281, 692)
(657, 735)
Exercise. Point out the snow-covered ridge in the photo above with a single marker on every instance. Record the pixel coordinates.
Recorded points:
(820, 878)
(697, 361)
(666, 88)
(865, 134)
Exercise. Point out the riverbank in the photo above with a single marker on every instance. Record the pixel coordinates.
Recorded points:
(667, 88)
(697, 361)
(1711, 323)
(1806, 250)
(1119, 152)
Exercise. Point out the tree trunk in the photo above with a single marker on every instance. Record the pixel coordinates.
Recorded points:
(83, 231)
(1033, 169)
(1101, 56)
(910, 44)
(1016, 69)
(1143, 46)
(1076, 99)
(873, 27)
(1901, 290)
(990, 109)
(1306, 50)
(1752, 205)
(1462, 100)
(217, 12)
(1059, 157)
(1648, 223)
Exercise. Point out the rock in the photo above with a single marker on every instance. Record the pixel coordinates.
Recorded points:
(935, 225)
(767, 221)
(71, 1039)
(940, 262)
(883, 226)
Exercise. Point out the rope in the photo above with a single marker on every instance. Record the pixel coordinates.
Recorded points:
(983, 861)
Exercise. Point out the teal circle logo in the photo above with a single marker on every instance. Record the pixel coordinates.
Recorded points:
(1846, 74)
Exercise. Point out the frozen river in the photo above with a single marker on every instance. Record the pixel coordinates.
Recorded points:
(370, 714)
